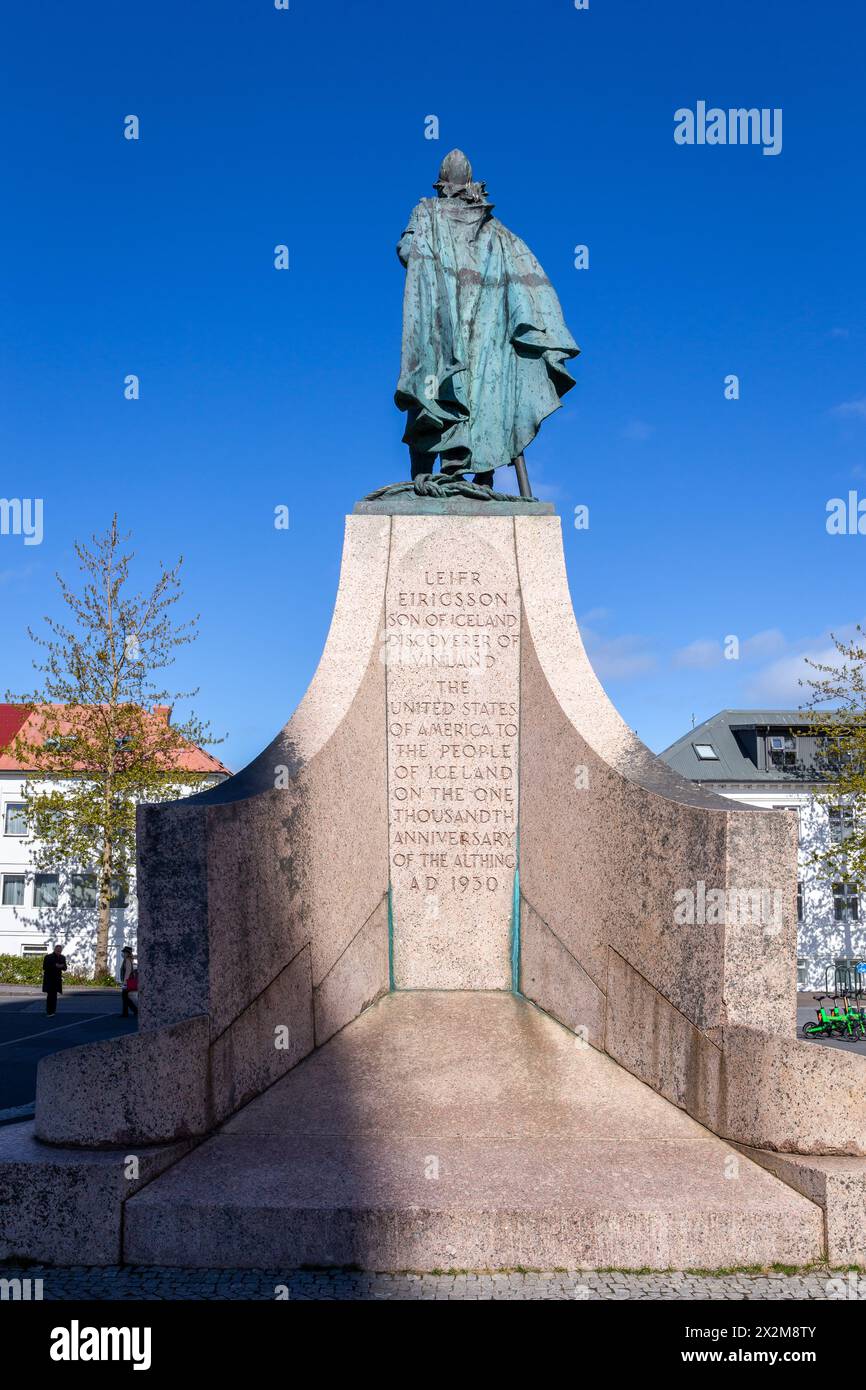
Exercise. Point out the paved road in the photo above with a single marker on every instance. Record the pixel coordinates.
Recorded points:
(27, 1034)
(136, 1284)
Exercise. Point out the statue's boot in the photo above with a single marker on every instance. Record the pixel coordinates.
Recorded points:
(421, 463)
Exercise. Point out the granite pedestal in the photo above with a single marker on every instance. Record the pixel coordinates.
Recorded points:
(456, 808)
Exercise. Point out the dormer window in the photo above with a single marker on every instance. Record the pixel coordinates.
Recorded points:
(781, 750)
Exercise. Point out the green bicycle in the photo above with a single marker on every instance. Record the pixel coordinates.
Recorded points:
(849, 1021)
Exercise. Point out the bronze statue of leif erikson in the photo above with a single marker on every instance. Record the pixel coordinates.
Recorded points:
(484, 343)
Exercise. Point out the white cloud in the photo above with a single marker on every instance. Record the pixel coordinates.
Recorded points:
(704, 653)
(855, 407)
(770, 642)
(617, 658)
(779, 681)
(701, 654)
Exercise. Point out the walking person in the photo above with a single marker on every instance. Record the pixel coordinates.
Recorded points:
(53, 966)
(128, 979)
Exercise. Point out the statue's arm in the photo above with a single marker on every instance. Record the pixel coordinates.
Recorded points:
(404, 245)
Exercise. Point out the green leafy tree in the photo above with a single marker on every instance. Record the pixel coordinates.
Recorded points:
(841, 759)
(101, 738)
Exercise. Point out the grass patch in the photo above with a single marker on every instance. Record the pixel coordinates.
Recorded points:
(27, 970)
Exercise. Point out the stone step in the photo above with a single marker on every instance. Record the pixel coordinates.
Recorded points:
(466, 1131)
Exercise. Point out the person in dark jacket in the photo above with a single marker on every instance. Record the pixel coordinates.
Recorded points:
(53, 966)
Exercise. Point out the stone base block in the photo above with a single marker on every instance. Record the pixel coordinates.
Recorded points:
(760, 1089)
(549, 1204)
(465, 1130)
(836, 1184)
(795, 1096)
(64, 1206)
(145, 1088)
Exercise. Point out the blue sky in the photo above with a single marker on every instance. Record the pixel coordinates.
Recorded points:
(260, 388)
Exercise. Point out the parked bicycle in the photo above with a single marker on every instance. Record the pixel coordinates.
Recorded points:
(846, 1018)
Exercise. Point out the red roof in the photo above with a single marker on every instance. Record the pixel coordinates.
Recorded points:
(11, 719)
(14, 719)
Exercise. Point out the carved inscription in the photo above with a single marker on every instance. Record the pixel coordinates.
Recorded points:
(451, 647)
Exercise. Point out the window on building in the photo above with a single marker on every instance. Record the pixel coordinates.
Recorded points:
(45, 890)
(15, 822)
(119, 896)
(846, 902)
(781, 750)
(83, 890)
(799, 902)
(830, 753)
(34, 948)
(706, 752)
(841, 823)
(13, 890)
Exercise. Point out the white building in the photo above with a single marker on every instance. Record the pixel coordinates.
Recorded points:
(768, 758)
(39, 908)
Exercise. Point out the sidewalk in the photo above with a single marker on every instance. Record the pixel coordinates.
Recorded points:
(138, 1283)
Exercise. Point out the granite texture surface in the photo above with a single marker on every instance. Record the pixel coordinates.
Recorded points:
(64, 1206)
(266, 1040)
(144, 1088)
(356, 980)
(466, 1130)
(838, 1184)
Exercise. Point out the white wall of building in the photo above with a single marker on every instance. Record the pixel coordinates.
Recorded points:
(28, 928)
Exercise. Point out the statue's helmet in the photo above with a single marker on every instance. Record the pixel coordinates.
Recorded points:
(454, 170)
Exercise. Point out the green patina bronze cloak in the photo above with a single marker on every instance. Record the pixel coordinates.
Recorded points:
(484, 339)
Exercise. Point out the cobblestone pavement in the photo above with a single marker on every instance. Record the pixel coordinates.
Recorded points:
(79, 1282)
